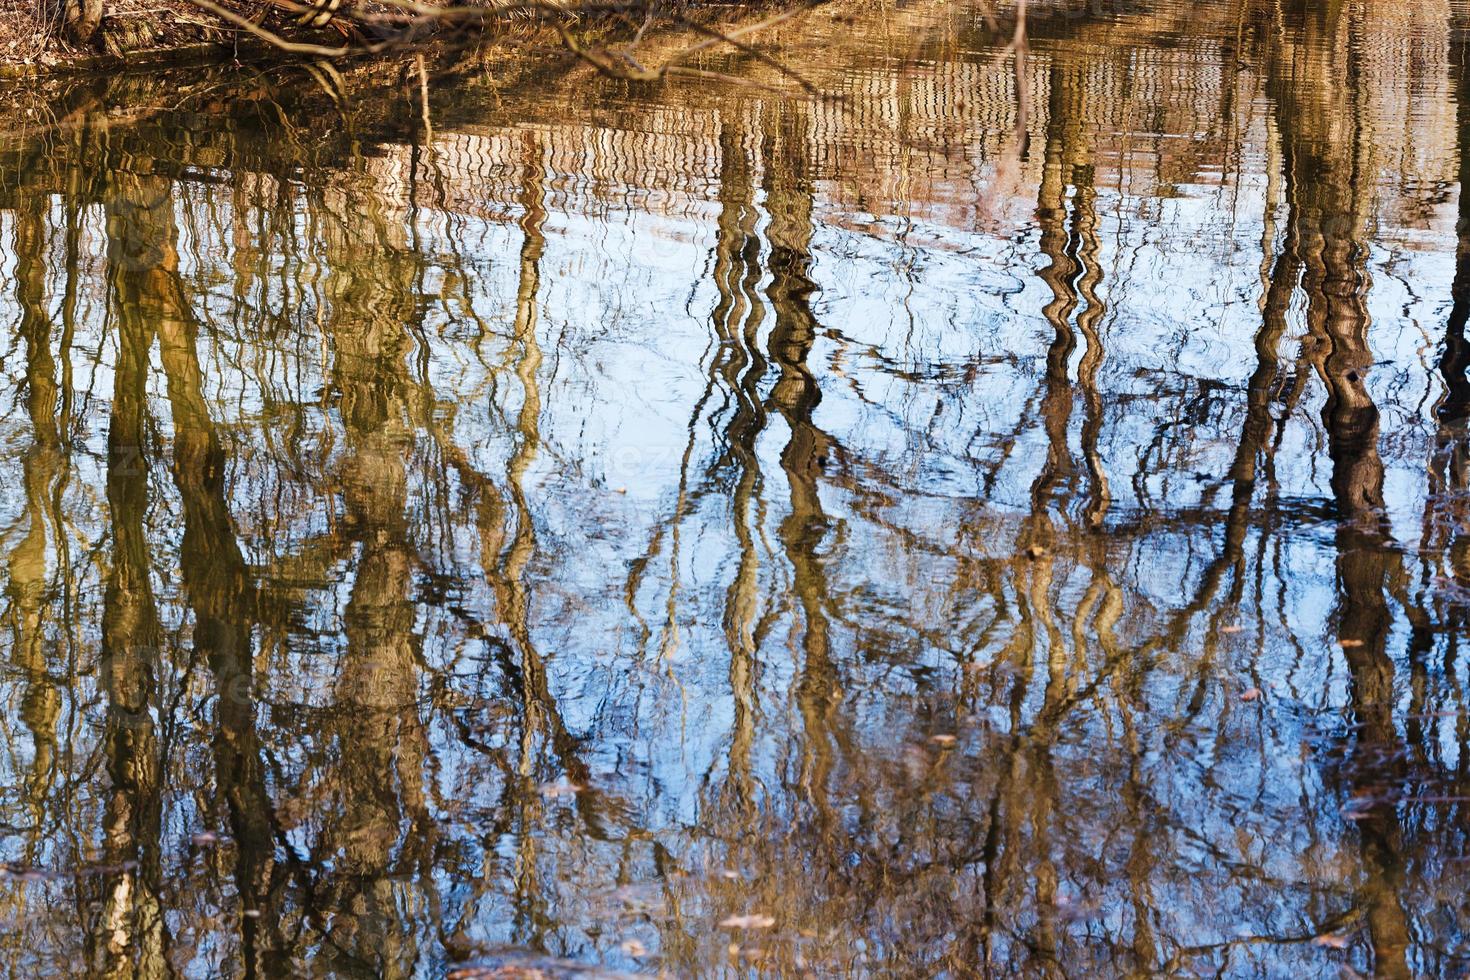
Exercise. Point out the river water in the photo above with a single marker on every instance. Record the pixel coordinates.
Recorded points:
(695, 527)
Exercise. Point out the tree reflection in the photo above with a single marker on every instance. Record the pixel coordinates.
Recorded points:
(364, 658)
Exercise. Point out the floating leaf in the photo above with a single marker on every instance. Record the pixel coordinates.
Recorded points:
(755, 921)
(563, 788)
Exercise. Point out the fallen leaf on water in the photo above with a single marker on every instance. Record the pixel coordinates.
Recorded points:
(756, 921)
(1232, 629)
(1331, 940)
(562, 788)
(1251, 694)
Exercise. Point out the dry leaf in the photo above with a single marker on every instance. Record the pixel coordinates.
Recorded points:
(563, 788)
(1251, 694)
(1331, 940)
(756, 921)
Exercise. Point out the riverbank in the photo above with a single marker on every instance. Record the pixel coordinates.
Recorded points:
(47, 104)
(140, 34)
(133, 34)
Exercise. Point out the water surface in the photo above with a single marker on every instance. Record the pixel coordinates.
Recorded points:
(699, 528)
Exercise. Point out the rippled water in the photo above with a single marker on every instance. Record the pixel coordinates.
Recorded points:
(697, 528)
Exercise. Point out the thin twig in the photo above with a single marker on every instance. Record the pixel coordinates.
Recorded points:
(424, 100)
(617, 63)
(620, 63)
(291, 47)
(495, 7)
(732, 39)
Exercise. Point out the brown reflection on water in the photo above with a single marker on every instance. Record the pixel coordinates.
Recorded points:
(692, 529)
(1326, 147)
